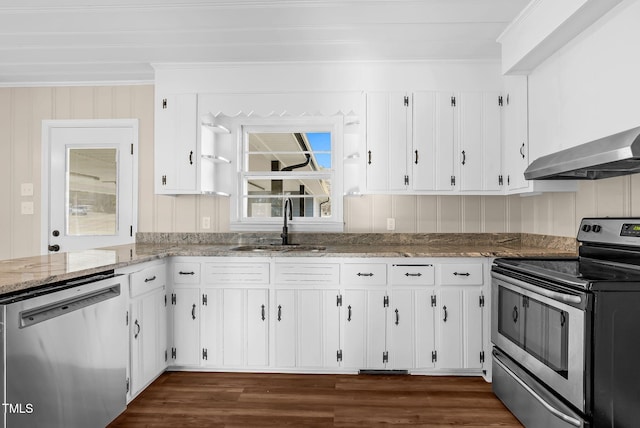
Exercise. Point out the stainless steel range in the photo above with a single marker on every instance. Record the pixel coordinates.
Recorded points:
(566, 331)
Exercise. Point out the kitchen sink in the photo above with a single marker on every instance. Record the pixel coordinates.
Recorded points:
(279, 248)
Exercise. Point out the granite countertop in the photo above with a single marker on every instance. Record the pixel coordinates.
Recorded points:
(29, 272)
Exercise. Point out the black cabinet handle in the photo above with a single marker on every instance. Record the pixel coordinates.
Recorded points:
(153, 278)
(444, 308)
(364, 274)
(349, 313)
(369, 157)
(279, 313)
(515, 314)
(461, 273)
(413, 274)
(193, 312)
(137, 324)
(563, 318)
(262, 313)
(191, 157)
(186, 273)
(416, 157)
(397, 317)
(464, 157)
(522, 150)
(54, 247)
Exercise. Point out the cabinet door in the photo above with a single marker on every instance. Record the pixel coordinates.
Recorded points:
(376, 329)
(425, 143)
(425, 328)
(470, 155)
(211, 325)
(450, 326)
(176, 156)
(147, 344)
(516, 135)
(377, 159)
(354, 319)
(388, 132)
(445, 142)
(285, 328)
(473, 329)
(479, 157)
(137, 356)
(401, 329)
(318, 334)
(257, 327)
(232, 327)
(186, 326)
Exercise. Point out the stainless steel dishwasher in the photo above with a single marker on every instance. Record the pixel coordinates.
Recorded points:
(63, 354)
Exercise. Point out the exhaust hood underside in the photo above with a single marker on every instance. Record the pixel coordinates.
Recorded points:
(611, 156)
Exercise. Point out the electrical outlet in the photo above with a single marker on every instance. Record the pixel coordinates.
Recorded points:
(26, 208)
(26, 189)
(391, 223)
(206, 222)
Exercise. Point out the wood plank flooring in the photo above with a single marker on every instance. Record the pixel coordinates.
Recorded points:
(193, 399)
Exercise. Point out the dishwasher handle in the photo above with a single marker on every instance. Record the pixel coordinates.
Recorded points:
(65, 306)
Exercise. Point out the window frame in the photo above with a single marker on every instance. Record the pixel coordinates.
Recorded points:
(333, 125)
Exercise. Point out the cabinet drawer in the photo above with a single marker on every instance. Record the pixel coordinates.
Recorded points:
(364, 273)
(148, 279)
(462, 274)
(236, 273)
(412, 274)
(186, 273)
(307, 273)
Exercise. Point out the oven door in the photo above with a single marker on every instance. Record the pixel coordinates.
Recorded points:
(544, 330)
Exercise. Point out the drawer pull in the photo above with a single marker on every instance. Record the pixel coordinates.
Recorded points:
(279, 312)
(186, 273)
(461, 273)
(413, 274)
(349, 313)
(397, 317)
(444, 308)
(262, 313)
(193, 312)
(153, 278)
(364, 274)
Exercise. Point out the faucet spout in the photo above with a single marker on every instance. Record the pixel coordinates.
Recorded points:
(285, 229)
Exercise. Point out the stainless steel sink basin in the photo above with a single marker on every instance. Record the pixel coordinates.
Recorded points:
(279, 248)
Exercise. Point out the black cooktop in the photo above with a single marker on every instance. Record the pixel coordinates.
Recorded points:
(577, 272)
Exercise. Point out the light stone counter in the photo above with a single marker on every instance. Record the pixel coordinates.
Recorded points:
(30, 272)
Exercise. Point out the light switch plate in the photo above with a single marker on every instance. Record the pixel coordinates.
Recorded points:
(206, 222)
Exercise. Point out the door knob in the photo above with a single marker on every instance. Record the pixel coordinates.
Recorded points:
(54, 247)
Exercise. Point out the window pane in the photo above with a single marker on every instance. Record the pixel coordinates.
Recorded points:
(302, 206)
(91, 191)
(295, 152)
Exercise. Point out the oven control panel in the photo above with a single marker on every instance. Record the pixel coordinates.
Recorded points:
(607, 230)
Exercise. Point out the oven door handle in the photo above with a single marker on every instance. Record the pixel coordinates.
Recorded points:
(568, 419)
(555, 295)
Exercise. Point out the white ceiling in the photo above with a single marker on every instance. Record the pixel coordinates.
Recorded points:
(58, 41)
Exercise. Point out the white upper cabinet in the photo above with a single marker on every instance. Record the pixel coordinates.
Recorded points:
(176, 150)
(428, 142)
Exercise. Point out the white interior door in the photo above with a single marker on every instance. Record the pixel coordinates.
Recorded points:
(90, 192)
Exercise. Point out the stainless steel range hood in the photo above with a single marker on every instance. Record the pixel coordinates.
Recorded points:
(611, 156)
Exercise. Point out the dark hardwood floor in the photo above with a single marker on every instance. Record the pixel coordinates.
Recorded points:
(192, 399)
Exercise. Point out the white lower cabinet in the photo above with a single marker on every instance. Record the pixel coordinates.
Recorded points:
(185, 317)
(341, 315)
(235, 327)
(147, 319)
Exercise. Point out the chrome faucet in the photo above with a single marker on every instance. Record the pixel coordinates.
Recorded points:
(285, 230)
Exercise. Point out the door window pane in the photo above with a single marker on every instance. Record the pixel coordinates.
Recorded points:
(91, 191)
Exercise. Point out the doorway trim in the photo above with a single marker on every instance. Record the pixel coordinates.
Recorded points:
(47, 126)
